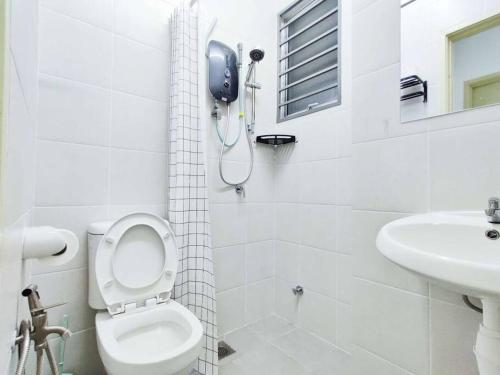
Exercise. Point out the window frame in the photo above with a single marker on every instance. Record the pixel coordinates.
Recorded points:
(280, 22)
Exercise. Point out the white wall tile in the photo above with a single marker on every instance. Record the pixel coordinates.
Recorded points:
(19, 153)
(344, 278)
(73, 112)
(317, 271)
(391, 175)
(96, 12)
(286, 303)
(343, 136)
(287, 182)
(229, 267)
(260, 222)
(454, 331)
(370, 264)
(375, 50)
(344, 181)
(381, 324)
(70, 174)
(23, 45)
(318, 315)
(374, 114)
(145, 21)
(118, 211)
(260, 187)
(344, 229)
(139, 123)
(259, 261)
(462, 173)
(137, 177)
(230, 310)
(74, 50)
(259, 300)
(140, 70)
(458, 119)
(287, 261)
(359, 5)
(287, 222)
(344, 327)
(218, 191)
(83, 346)
(70, 287)
(317, 139)
(228, 224)
(317, 226)
(318, 182)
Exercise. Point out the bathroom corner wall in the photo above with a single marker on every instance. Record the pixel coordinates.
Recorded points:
(242, 227)
(19, 95)
(313, 213)
(101, 142)
(401, 324)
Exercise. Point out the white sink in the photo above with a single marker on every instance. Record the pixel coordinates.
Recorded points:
(449, 248)
(452, 249)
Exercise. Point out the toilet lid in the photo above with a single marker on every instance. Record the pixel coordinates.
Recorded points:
(136, 262)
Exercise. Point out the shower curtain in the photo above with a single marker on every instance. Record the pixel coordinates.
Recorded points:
(188, 195)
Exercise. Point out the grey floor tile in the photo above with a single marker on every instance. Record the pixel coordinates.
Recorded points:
(310, 351)
(269, 360)
(271, 327)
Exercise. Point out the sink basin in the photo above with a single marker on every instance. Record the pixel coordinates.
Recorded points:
(448, 248)
(460, 251)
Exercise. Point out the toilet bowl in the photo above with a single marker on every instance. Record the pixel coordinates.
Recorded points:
(132, 269)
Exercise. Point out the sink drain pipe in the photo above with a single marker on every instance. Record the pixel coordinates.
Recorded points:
(487, 348)
(469, 304)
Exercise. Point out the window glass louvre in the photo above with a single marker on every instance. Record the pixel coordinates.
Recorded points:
(308, 57)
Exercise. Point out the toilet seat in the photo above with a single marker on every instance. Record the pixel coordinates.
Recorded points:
(157, 341)
(136, 263)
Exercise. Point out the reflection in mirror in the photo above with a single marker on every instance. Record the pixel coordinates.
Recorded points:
(450, 56)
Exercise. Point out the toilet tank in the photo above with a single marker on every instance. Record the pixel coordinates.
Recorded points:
(95, 233)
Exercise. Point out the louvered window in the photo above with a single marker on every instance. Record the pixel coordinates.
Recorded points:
(309, 64)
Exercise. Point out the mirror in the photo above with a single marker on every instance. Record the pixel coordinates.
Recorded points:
(450, 56)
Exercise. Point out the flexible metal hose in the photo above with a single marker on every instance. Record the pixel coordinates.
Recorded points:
(221, 155)
(52, 360)
(39, 362)
(24, 348)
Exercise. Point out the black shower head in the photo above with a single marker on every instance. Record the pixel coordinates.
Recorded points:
(257, 54)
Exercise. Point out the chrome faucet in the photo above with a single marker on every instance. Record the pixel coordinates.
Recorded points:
(41, 330)
(493, 210)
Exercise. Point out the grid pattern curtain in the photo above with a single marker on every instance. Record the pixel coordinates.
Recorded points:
(188, 195)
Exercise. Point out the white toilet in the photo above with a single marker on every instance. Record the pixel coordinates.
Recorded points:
(132, 269)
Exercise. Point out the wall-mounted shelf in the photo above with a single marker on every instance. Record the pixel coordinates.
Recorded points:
(276, 139)
(412, 81)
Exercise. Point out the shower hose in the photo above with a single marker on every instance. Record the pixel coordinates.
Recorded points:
(238, 185)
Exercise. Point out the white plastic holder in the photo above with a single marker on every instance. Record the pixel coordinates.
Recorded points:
(51, 246)
(487, 349)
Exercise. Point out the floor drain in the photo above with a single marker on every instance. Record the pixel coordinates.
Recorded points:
(224, 350)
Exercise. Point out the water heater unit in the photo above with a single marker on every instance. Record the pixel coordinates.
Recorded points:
(222, 72)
